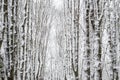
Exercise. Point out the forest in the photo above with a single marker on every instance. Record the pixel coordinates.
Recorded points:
(59, 39)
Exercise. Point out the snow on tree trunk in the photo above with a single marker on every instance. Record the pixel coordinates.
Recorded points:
(59, 40)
